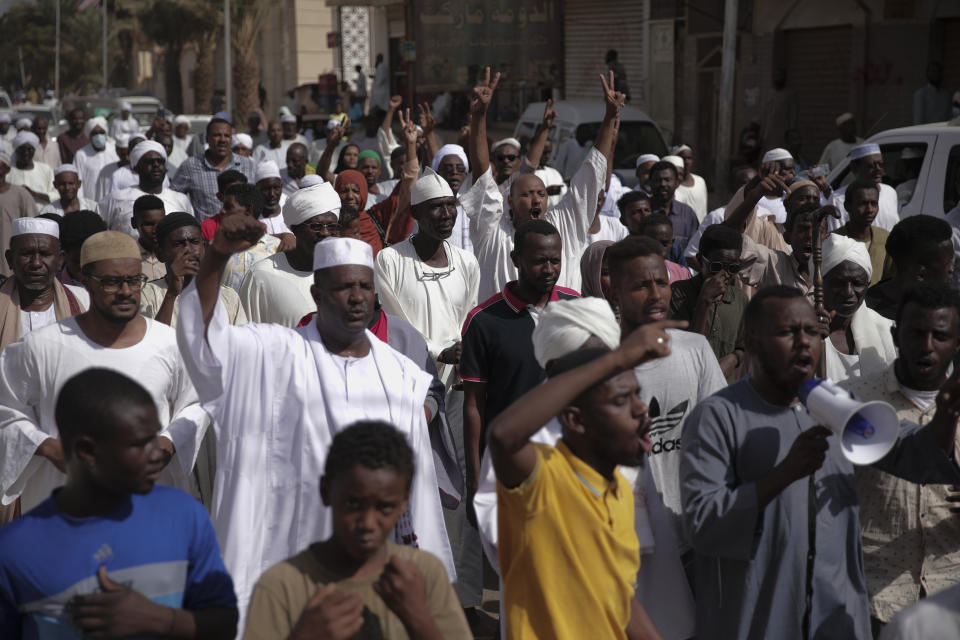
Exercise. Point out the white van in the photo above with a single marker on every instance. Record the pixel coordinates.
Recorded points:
(581, 118)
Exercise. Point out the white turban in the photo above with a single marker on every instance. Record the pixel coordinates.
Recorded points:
(500, 143)
(775, 155)
(146, 147)
(5, 118)
(122, 141)
(308, 203)
(450, 150)
(337, 252)
(680, 148)
(93, 123)
(647, 157)
(243, 140)
(676, 161)
(863, 150)
(125, 106)
(23, 226)
(266, 169)
(289, 117)
(310, 180)
(564, 326)
(65, 168)
(24, 123)
(181, 120)
(844, 117)
(429, 186)
(837, 249)
(26, 137)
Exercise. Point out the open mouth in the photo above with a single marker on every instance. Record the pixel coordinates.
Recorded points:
(657, 313)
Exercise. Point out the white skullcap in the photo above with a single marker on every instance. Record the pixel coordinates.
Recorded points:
(66, 168)
(125, 106)
(5, 158)
(774, 155)
(844, 117)
(549, 178)
(24, 123)
(5, 118)
(837, 249)
(911, 153)
(647, 157)
(284, 110)
(676, 161)
(308, 203)
(429, 186)
(310, 180)
(288, 117)
(122, 141)
(863, 150)
(23, 226)
(267, 169)
(564, 326)
(450, 150)
(144, 148)
(93, 123)
(337, 252)
(679, 149)
(243, 140)
(500, 143)
(26, 137)
(181, 119)
(136, 136)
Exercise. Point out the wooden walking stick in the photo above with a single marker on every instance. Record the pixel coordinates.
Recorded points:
(816, 241)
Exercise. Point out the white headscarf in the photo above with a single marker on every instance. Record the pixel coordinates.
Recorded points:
(564, 326)
(26, 137)
(450, 150)
(143, 148)
(93, 123)
(837, 249)
(308, 203)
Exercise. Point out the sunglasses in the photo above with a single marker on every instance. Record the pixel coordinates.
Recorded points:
(506, 157)
(732, 268)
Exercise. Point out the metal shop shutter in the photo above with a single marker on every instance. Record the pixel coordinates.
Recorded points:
(589, 30)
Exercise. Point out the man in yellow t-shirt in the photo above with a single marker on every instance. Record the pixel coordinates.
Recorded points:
(568, 550)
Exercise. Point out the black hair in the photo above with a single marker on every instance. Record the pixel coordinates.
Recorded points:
(56, 217)
(913, 238)
(575, 360)
(537, 226)
(343, 152)
(148, 202)
(629, 248)
(214, 121)
(860, 185)
(930, 295)
(799, 212)
(720, 236)
(78, 226)
(664, 164)
(90, 401)
(371, 444)
(655, 220)
(171, 222)
(398, 151)
(248, 196)
(629, 198)
(755, 314)
(611, 55)
(229, 177)
(347, 215)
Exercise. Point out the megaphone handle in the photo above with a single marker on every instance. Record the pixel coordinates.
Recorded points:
(811, 553)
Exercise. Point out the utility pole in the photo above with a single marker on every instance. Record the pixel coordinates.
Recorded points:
(725, 108)
(227, 46)
(56, 63)
(104, 46)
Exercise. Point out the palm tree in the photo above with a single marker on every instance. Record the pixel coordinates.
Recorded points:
(247, 18)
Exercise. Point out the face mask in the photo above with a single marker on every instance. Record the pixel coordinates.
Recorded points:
(99, 140)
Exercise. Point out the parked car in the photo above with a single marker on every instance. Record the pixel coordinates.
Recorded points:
(143, 108)
(581, 118)
(6, 106)
(921, 162)
(55, 124)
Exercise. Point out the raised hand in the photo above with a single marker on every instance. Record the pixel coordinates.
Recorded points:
(483, 93)
(335, 135)
(770, 185)
(549, 115)
(613, 100)
(408, 128)
(395, 102)
(427, 122)
(184, 264)
(236, 233)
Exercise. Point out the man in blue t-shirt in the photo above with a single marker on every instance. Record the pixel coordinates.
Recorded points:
(108, 553)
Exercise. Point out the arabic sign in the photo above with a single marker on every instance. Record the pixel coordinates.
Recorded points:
(523, 39)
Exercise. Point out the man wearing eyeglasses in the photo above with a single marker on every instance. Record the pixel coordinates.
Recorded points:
(112, 335)
(149, 160)
(277, 288)
(711, 302)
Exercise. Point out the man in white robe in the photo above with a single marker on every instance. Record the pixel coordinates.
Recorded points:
(104, 187)
(90, 159)
(277, 289)
(49, 151)
(125, 123)
(111, 334)
(149, 159)
(866, 163)
(268, 181)
(277, 397)
(66, 180)
(275, 148)
(181, 140)
(491, 231)
(451, 163)
(36, 177)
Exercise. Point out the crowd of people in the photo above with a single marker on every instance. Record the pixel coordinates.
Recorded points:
(309, 385)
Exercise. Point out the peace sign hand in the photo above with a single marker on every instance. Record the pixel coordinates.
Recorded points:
(483, 93)
(612, 99)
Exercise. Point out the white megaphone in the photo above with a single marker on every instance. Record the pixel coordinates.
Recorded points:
(867, 430)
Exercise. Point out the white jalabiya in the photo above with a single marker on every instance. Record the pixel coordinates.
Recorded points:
(491, 232)
(36, 320)
(153, 293)
(120, 126)
(113, 180)
(875, 349)
(117, 208)
(435, 300)
(263, 152)
(183, 144)
(273, 291)
(39, 180)
(32, 373)
(887, 217)
(610, 229)
(48, 154)
(90, 162)
(277, 397)
(275, 224)
(695, 196)
(772, 207)
(57, 206)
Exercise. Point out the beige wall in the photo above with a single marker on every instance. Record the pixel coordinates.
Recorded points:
(314, 20)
